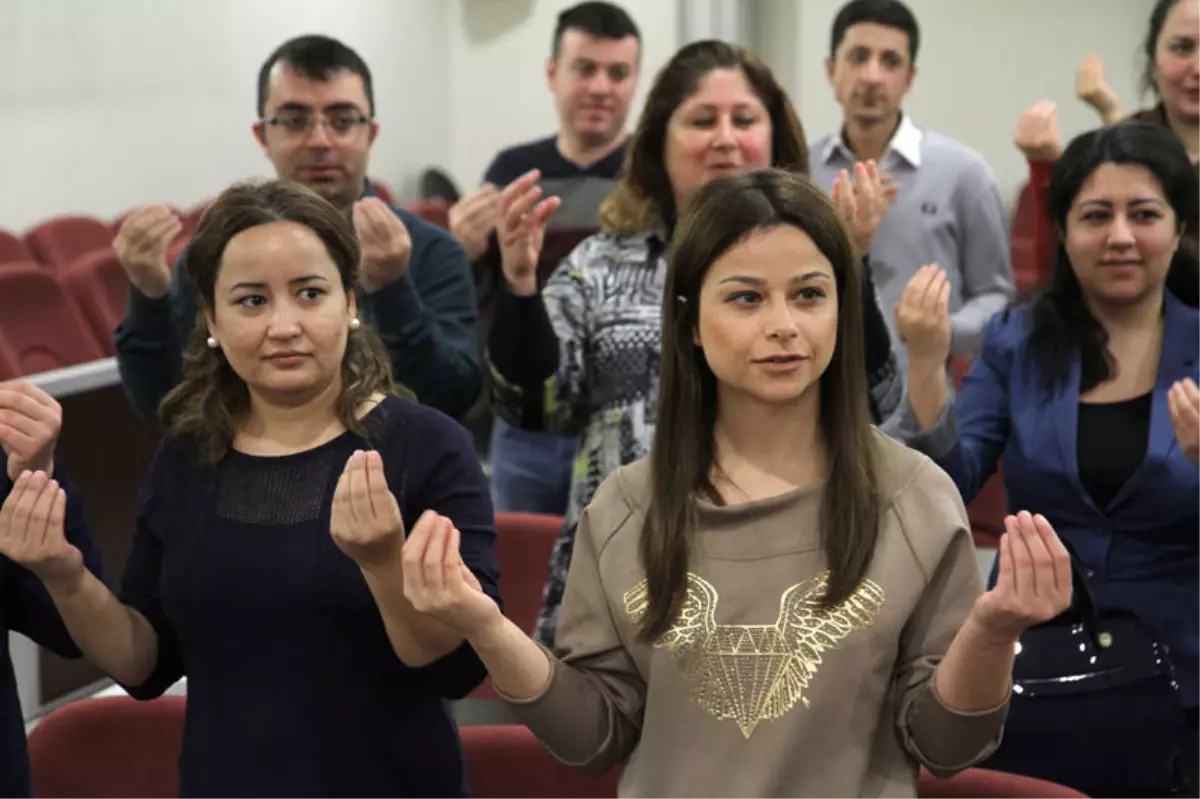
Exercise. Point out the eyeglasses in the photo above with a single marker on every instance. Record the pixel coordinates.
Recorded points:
(339, 122)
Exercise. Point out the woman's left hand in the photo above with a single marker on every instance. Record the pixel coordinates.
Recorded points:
(438, 582)
(863, 201)
(1034, 582)
(1183, 400)
(365, 519)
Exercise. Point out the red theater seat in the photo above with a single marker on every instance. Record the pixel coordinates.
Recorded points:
(41, 324)
(111, 746)
(59, 241)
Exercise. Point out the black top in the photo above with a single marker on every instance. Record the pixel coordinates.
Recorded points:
(1112, 440)
(26, 607)
(293, 687)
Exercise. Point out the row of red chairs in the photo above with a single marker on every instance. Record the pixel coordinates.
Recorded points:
(60, 241)
(62, 310)
(117, 746)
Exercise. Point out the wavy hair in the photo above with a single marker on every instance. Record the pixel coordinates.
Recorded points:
(206, 405)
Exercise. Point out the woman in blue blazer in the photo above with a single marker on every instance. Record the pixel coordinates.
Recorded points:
(1087, 391)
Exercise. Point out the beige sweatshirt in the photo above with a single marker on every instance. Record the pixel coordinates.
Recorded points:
(755, 692)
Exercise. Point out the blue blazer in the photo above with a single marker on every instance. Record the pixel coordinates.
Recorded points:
(1140, 552)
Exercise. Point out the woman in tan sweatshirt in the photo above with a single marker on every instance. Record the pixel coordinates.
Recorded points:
(779, 600)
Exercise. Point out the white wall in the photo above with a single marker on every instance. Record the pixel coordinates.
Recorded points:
(982, 62)
(113, 104)
(498, 51)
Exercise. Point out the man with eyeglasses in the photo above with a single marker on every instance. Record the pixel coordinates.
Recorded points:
(316, 124)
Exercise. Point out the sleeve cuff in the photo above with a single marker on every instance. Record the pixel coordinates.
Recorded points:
(397, 303)
(143, 312)
(950, 740)
(940, 439)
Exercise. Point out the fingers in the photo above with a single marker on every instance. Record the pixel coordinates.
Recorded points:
(377, 487)
(412, 557)
(146, 228)
(341, 518)
(435, 555)
(34, 484)
(519, 206)
(41, 533)
(480, 206)
(540, 215)
(1059, 556)
(360, 496)
(1183, 403)
(1041, 562)
(1022, 561)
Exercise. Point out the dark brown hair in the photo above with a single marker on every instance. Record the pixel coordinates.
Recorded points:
(717, 218)
(207, 403)
(643, 197)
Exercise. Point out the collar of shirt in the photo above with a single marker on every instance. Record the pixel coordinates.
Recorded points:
(905, 143)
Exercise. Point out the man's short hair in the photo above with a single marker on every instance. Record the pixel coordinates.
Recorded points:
(316, 58)
(595, 18)
(889, 13)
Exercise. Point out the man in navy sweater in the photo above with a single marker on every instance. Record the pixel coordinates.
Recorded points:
(592, 71)
(317, 125)
(29, 423)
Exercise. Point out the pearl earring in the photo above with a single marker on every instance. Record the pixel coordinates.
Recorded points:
(355, 324)
(212, 342)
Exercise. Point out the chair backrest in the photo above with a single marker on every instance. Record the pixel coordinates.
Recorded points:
(99, 287)
(13, 249)
(59, 241)
(506, 761)
(1023, 242)
(41, 323)
(524, 542)
(982, 782)
(435, 212)
(111, 746)
(384, 191)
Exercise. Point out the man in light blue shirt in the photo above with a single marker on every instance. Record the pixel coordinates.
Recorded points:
(948, 210)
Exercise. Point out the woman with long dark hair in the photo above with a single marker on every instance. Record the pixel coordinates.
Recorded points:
(581, 353)
(1088, 393)
(780, 600)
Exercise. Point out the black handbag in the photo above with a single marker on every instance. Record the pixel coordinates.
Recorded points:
(1095, 706)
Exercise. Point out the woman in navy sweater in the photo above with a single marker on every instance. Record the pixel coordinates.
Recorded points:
(30, 420)
(267, 560)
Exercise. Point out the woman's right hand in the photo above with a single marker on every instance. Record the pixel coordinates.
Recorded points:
(923, 317)
(1092, 88)
(522, 230)
(32, 530)
(1036, 135)
(437, 582)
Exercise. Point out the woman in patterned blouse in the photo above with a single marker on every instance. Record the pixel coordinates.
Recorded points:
(581, 353)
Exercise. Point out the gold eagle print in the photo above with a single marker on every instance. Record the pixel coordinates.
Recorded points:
(757, 672)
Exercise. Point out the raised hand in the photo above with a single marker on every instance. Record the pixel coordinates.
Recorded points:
(365, 519)
(385, 242)
(30, 421)
(1183, 400)
(474, 217)
(1037, 135)
(31, 530)
(923, 317)
(438, 583)
(1034, 582)
(141, 246)
(862, 202)
(522, 230)
(1092, 87)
